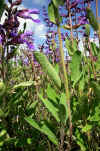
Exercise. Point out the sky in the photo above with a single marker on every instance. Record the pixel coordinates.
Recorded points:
(40, 29)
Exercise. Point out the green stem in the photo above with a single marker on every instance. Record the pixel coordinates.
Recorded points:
(71, 30)
(91, 57)
(65, 81)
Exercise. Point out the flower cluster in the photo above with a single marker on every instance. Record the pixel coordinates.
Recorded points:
(9, 34)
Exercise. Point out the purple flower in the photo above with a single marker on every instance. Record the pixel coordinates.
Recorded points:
(82, 20)
(74, 4)
(0, 40)
(22, 38)
(26, 14)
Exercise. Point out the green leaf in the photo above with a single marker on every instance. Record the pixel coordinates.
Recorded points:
(2, 114)
(51, 108)
(56, 66)
(3, 132)
(43, 128)
(75, 67)
(2, 88)
(86, 128)
(53, 13)
(48, 68)
(63, 114)
(95, 49)
(57, 3)
(92, 20)
(71, 48)
(52, 94)
(2, 7)
(80, 141)
(87, 29)
(30, 109)
(24, 84)
(95, 115)
(82, 83)
(33, 105)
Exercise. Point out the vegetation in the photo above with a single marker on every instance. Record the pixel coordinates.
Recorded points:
(47, 102)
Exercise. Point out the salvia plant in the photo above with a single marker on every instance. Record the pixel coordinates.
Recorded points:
(49, 101)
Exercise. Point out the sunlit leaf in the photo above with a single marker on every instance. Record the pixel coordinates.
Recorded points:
(48, 68)
(53, 13)
(75, 67)
(24, 84)
(92, 19)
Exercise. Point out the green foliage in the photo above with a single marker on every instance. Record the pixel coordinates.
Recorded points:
(63, 109)
(71, 48)
(87, 29)
(34, 112)
(53, 13)
(51, 107)
(95, 49)
(47, 68)
(75, 67)
(80, 140)
(2, 88)
(92, 20)
(2, 7)
(51, 94)
(24, 84)
(43, 128)
(57, 3)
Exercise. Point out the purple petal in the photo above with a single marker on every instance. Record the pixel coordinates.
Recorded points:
(33, 11)
(36, 20)
(0, 40)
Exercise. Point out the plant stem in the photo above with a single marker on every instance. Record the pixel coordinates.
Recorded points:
(65, 81)
(97, 9)
(91, 57)
(71, 30)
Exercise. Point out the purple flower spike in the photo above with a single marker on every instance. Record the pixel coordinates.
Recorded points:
(36, 20)
(25, 13)
(33, 11)
(0, 40)
(29, 44)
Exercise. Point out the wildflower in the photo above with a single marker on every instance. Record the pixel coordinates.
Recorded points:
(22, 38)
(0, 40)
(26, 14)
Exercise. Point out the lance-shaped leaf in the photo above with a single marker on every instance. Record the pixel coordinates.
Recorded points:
(2, 88)
(43, 128)
(75, 67)
(87, 30)
(63, 114)
(95, 49)
(52, 95)
(51, 108)
(53, 14)
(24, 84)
(48, 68)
